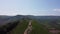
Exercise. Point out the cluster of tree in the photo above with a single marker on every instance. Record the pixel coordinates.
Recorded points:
(8, 27)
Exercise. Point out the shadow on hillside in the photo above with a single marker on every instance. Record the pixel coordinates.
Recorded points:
(8, 27)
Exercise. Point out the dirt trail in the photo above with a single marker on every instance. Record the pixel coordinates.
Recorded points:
(29, 28)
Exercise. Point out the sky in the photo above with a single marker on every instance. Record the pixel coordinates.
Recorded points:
(30, 7)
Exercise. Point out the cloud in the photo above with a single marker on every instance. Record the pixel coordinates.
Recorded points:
(9, 12)
(29, 12)
(56, 10)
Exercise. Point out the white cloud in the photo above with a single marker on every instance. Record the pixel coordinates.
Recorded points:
(9, 12)
(29, 12)
(56, 9)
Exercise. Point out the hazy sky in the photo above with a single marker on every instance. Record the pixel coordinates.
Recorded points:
(30, 7)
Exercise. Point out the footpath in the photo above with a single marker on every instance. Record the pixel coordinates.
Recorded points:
(29, 28)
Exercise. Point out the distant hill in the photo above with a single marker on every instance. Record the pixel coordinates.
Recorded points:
(5, 19)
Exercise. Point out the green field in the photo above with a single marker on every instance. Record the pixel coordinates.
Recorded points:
(38, 28)
(20, 28)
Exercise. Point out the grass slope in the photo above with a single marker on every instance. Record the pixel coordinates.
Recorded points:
(38, 28)
(20, 28)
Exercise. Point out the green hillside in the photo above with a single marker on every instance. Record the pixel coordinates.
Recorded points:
(20, 27)
(38, 28)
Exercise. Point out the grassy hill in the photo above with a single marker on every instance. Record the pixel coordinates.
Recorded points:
(38, 28)
(20, 27)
